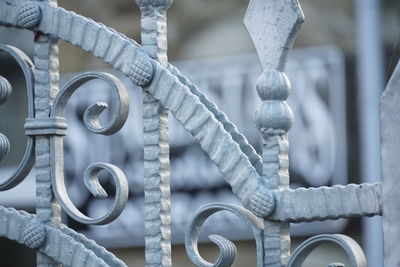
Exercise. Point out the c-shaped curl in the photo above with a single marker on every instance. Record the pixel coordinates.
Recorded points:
(352, 249)
(28, 159)
(227, 248)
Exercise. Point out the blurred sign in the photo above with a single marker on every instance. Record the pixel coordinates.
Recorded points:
(317, 148)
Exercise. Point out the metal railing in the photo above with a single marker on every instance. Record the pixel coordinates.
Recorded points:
(260, 181)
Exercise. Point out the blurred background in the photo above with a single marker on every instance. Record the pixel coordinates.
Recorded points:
(344, 55)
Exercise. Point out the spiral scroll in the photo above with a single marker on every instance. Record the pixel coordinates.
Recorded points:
(92, 113)
(227, 248)
(28, 159)
(91, 120)
(352, 249)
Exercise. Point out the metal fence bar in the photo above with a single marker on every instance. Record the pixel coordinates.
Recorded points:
(46, 88)
(273, 32)
(155, 139)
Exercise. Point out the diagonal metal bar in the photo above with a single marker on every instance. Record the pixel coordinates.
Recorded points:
(247, 148)
(323, 203)
(390, 142)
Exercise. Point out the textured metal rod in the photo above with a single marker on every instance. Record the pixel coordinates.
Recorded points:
(46, 88)
(156, 146)
(323, 203)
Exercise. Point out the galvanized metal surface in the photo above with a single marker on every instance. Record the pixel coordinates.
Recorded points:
(264, 191)
(390, 118)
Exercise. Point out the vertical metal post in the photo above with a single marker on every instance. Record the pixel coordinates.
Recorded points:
(370, 85)
(46, 88)
(273, 26)
(156, 146)
(274, 119)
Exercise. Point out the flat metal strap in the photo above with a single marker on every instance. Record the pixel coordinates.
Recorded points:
(45, 126)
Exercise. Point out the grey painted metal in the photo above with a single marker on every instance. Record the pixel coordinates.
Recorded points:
(157, 202)
(390, 117)
(273, 26)
(370, 66)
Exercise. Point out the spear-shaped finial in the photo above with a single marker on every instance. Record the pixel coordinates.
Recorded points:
(273, 26)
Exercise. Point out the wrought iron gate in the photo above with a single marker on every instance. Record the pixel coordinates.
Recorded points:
(261, 182)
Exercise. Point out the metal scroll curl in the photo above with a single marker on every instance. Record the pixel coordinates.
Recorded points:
(28, 160)
(227, 248)
(353, 250)
(92, 122)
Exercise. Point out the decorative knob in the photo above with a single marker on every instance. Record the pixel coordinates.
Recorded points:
(5, 90)
(141, 72)
(262, 202)
(34, 234)
(29, 15)
(274, 116)
(4, 146)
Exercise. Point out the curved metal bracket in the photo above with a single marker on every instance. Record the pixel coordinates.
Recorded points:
(28, 160)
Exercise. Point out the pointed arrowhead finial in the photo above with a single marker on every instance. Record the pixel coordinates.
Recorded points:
(273, 26)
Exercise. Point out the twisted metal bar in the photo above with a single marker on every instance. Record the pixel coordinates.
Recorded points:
(28, 159)
(227, 248)
(91, 119)
(353, 251)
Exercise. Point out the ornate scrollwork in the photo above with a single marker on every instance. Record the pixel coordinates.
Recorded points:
(353, 250)
(28, 159)
(92, 113)
(227, 248)
(56, 127)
